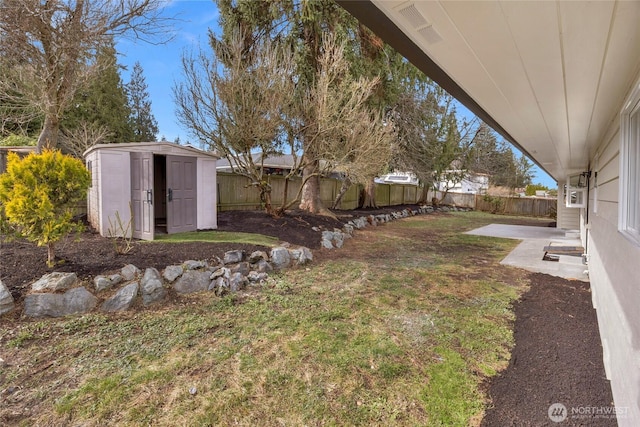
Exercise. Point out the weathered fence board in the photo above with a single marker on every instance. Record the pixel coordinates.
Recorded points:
(516, 205)
(235, 192)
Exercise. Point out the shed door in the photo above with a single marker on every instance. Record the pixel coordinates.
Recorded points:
(142, 195)
(181, 194)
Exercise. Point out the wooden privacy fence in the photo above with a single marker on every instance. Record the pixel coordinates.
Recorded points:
(235, 192)
(528, 206)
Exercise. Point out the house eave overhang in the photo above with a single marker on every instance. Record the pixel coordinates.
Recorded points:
(549, 77)
(377, 21)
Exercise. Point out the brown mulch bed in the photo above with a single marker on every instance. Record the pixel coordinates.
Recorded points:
(89, 254)
(557, 357)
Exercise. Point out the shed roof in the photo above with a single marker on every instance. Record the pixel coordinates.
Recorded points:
(161, 147)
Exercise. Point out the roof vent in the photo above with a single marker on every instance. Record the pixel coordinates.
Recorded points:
(419, 23)
(430, 34)
(411, 14)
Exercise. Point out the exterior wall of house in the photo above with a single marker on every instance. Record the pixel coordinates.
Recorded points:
(615, 283)
(567, 218)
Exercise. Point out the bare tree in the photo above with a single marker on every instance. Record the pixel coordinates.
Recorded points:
(77, 140)
(52, 44)
(233, 103)
(17, 114)
(341, 132)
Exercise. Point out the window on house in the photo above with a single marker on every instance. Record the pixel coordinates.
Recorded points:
(575, 192)
(629, 218)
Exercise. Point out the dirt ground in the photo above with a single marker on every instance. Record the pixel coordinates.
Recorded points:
(89, 254)
(557, 357)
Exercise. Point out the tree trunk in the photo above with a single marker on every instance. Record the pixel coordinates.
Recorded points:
(424, 195)
(51, 254)
(370, 195)
(49, 135)
(310, 198)
(266, 199)
(285, 195)
(346, 183)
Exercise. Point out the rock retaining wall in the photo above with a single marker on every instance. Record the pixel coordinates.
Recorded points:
(61, 294)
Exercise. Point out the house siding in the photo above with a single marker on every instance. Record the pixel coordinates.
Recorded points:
(615, 283)
(567, 218)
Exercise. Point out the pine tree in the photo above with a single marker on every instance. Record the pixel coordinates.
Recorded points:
(142, 121)
(103, 101)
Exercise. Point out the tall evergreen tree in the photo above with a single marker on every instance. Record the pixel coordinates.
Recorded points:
(103, 101)
(143, 124)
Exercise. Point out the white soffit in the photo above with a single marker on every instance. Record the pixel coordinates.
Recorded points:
(552, 74)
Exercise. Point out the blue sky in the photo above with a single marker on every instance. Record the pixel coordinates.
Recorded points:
(161, 65)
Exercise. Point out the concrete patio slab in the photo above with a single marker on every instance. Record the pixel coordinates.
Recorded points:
(528, 254)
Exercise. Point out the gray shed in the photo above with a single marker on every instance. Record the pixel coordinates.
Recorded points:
(139, 189)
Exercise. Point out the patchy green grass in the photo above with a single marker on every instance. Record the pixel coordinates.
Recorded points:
(400, 328)
(218, 237)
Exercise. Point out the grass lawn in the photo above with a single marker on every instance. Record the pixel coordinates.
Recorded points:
(217, 237)
(401, 327)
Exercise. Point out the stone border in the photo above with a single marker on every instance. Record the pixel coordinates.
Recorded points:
(60, 294)
(335, 239)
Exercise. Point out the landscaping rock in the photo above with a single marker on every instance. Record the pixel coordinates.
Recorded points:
(172, 272)
(280, 257)
(192, 281)
(76, 300)
(103, 282)
(327, 239)
(257, 256)
(263, 266)
(233, 257)
(243, 268)
(6, 299)
(151, 287)
(237, 282)
(130, 272)
(55, 281)
(301, 255)
(194, 265)
(122, 300)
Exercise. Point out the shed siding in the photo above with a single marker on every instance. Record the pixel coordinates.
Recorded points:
(116, 192)
(206, 194)
(110, 193)
(93, 194)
